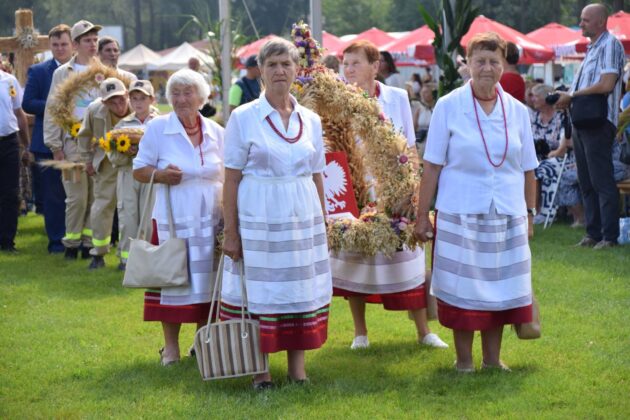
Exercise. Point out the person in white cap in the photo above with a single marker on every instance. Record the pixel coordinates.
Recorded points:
(79, 195)
(101, 117)
(131, 193)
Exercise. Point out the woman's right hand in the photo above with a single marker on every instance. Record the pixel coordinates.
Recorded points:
(172, 175)
(232, 246)
(424, 229)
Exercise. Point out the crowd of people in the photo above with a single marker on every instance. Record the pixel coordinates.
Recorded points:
(260, 181)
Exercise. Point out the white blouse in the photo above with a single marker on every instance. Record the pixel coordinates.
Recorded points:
(253, 147)
(396, 107)
(165, 142)
(468, 183)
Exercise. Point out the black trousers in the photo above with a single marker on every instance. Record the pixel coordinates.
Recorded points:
(593, 156)
(54, 202)
(9, 188)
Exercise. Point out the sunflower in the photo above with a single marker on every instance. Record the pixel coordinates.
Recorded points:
(74, 130)
(123, 143)
(104, 144)
(12, 91)
(108, 136)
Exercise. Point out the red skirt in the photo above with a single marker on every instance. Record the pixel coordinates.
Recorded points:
(176, 314)
(299, 331)
(471, 320)
(401, 301)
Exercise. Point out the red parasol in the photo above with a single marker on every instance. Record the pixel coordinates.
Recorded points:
(331, 43)
(563, 40)
(416, 44)
(619, 26)
(246, 50)
(532, 52)
(374, 35)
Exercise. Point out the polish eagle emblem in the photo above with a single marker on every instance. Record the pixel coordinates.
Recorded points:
(335, 183)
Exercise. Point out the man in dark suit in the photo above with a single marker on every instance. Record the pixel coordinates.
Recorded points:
(48, 185)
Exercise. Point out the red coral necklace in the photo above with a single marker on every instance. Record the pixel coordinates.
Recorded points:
(290, 140)
(485, 145)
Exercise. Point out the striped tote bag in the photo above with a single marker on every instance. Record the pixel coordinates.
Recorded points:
(229, 349)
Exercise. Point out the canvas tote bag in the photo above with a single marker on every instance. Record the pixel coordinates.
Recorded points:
(156, 266)
(228, 349)
(530, 330)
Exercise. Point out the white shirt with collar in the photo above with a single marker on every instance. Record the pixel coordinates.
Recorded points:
(252, 146)
(165, 142)
(468, 183)
(10, 99)
(396, 107)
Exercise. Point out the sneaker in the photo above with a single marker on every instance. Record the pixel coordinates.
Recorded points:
(605, 244)
(432, 340)
(360, 342)
(8, 249)
(587, 241)
(97, 262)
(71, 253)
(501, 366)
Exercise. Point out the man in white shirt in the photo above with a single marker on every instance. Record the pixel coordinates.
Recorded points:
(64, 147)
(12, 123)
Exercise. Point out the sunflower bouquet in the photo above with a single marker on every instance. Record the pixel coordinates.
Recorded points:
(120, 143)
(347, 112)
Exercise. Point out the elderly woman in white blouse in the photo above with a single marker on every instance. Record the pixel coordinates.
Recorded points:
(274, 216)
(361, 64)
(184, 150)
(480, 153)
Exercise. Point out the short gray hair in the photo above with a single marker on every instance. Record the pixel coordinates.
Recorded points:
(187, 77)
(542, 89)
(278, 46)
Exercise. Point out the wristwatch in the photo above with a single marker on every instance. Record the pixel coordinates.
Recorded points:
(532, 211)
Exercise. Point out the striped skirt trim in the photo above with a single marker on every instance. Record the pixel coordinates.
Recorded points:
(400, 301)
(471, 320)
(278, 332)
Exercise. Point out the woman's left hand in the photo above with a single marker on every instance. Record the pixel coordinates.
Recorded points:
(530, 226)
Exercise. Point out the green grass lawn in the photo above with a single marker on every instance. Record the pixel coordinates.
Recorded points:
(74, 346)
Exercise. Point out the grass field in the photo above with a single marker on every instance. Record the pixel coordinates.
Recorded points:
(74, 346)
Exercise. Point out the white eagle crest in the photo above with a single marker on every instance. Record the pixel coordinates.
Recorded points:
(334, 184)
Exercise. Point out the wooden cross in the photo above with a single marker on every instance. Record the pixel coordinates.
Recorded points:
(25, 44)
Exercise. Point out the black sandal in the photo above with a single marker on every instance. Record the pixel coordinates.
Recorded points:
(262, 386)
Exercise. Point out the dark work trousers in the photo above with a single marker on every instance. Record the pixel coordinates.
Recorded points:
(53, 197)
(593, 156)
(9, 188)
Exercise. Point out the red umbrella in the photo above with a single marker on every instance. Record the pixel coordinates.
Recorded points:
(619, 26)
(563, 40)
(532, 52)
(246, 50)
(416, 44)
(331, 43)
(374, 35)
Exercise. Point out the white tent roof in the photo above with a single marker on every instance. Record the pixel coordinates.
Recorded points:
(178, 58)
(138, 57)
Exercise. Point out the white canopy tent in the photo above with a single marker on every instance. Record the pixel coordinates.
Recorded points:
(138, 58)
(178, 58)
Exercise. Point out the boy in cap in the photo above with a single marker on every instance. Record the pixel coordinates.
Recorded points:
(63, 146)
(247, 88)
(131, 193)
(101, 117)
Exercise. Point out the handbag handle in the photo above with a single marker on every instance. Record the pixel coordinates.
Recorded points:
(215, 298)
(145, 210)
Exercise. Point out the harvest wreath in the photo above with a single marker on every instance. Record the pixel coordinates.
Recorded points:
(65, 95)
(348, 112)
